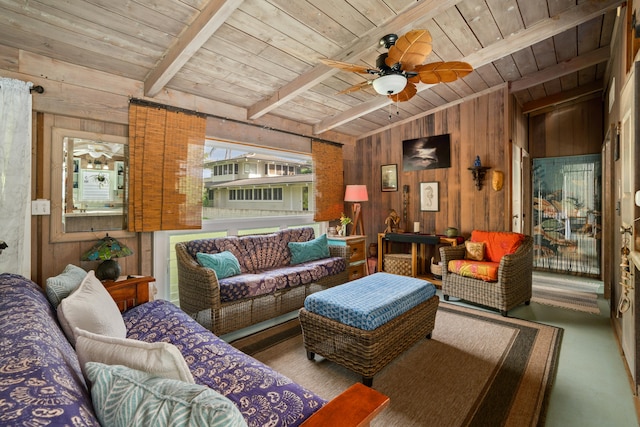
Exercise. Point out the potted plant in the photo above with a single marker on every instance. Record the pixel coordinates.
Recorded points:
(344, 221)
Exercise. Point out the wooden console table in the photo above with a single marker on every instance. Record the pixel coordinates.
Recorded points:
(128, 292)
(418, 242)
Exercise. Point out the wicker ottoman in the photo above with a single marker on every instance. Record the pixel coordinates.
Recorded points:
(366, 352)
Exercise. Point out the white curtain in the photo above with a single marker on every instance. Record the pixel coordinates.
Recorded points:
(15, 176)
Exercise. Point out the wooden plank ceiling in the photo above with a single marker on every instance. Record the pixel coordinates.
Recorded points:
(263, 55)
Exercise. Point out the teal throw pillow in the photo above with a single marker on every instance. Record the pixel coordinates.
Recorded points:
(61, 286)
(308, 251)
(127, 397)
(225, 264)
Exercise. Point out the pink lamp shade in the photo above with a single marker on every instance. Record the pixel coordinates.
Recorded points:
(356, 193)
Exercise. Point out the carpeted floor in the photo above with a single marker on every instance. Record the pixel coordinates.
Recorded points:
(479, 369)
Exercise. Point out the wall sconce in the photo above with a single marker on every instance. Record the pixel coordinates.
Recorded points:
(3, 246)
(478, 172)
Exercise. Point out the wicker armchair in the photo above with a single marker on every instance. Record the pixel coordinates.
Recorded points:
(512, 288)
(199, 294)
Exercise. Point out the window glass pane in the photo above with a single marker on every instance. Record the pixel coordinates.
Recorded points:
(247, 181)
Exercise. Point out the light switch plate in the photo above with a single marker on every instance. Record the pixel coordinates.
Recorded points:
(40, 207)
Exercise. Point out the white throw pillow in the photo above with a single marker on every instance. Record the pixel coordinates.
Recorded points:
(90, 307)
(158, 358)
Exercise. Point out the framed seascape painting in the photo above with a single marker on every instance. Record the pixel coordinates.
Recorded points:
(429, 196)
(389, 176)
(429, 152)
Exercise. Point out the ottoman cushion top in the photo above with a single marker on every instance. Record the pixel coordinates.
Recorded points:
(371, 301)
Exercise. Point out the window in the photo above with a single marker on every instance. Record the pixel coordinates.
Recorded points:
(246, 181)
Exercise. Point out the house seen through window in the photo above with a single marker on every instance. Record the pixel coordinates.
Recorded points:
(248, 181)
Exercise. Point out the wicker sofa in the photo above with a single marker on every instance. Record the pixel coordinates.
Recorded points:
(514, 275)
(268, 285)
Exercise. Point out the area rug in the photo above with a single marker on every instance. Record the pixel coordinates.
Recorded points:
(479, 369)
(565, 298)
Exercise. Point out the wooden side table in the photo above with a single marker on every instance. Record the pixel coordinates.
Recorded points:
(418, 242)
(357, 262)
(129, 291)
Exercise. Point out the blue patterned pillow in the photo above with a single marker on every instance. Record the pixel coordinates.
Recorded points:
(308, 251)
(127, 397)
(61, 286)
(225, 264)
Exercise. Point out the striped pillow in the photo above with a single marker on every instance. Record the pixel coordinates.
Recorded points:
(126, 397)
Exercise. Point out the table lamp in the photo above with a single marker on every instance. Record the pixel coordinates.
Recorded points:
(106, 250)
(356, 194)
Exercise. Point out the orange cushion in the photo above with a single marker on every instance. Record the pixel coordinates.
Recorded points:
(497, 243)
(483, 270)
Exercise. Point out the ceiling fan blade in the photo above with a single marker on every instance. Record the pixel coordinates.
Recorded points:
(346, 66)
(410, 50)
(356, 87)
(406, 94)
(442, 72)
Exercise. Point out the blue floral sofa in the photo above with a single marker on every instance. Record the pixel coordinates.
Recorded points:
(41, 382)
(269, 275)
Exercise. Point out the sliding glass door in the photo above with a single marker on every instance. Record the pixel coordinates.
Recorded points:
(567, 218)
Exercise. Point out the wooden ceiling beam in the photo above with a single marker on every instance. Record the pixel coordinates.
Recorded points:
(368, 42)
(561, 97)
(570, 18)
(187, 44)
(562, 69)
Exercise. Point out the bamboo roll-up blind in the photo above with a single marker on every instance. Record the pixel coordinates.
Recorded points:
(329, 185)
(165, 168)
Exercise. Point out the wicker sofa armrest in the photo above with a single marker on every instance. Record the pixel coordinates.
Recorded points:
(197, 286)
(340, 251)
(450, 253)
(517, 267)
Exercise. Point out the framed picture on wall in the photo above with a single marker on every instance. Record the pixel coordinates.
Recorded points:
(429, 152)
(389, 176)
(429, 196)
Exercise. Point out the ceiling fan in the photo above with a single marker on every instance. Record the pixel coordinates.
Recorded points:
(401, 68)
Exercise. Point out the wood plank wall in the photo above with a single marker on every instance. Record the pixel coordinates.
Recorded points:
(477, 127)
(569, 129)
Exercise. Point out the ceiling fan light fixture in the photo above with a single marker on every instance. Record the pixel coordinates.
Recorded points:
(390, 84)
